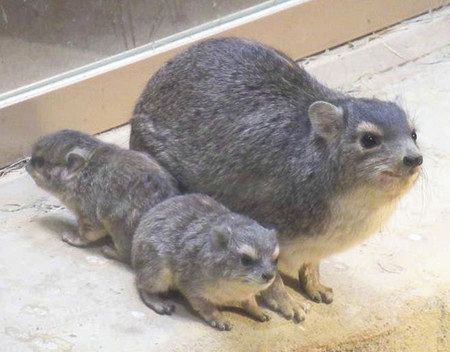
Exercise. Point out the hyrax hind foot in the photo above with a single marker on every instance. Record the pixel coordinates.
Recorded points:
(219, 324)
(308, 276)
(157, 304)
(277, 299)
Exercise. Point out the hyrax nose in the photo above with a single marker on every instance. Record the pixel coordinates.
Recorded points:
(268, 276)
(413, 161)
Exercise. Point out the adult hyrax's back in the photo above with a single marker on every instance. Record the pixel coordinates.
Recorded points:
(226, 117)
(243, 123)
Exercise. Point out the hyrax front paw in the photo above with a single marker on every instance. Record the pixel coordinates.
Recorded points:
(251, 307)
(309, 280)
(163, 308)
(319, 293)
(219, 324)
(74, 239)
(277, 299)
(263, 317)
(287, 307)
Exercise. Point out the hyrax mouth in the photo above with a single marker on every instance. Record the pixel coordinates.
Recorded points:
(392, 174)
(398, 182)
(404, 173)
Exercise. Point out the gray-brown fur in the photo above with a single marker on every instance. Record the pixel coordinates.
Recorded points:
(106, 187)
(245, 124)
(212, 256)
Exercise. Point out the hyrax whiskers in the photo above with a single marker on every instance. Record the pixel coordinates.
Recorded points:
(106, 187)
(212, 256)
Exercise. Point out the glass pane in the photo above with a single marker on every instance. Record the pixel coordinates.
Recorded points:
(42, 38)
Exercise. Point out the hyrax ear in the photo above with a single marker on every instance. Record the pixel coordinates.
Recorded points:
(76, 159)
(221, 236)
(327, 119)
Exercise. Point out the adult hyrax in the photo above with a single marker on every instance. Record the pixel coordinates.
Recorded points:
(243, 123)
(106, 187)
(211, 255)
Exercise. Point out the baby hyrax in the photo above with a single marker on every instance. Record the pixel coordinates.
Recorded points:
(212, 256)
(108, 188)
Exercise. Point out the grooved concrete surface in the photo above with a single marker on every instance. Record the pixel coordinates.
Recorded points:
(392, 293)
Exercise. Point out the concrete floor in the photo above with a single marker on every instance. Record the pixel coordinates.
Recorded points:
(391, 294)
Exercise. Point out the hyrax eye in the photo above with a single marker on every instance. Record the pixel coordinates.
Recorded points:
(247, 260)
(70, 162)
(370, 140)
(37, 162)
(414, 135)
(275, 261)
